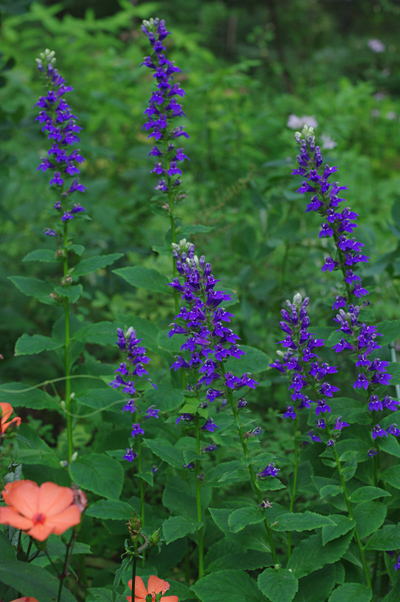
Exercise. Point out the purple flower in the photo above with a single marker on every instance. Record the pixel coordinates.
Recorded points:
(209, 426)
(378, 431)
(314, 437)
(186, 417)
(394, 430)
(130, 455)
(322, 407)
(190, 466)
(339, 424)
(397, 565)
(269, 471)
(290, 413)
(330, 443)
(151, 412)
(361, 383)
(210, 448)
(372, 452)
(137, 430)
(129, 406)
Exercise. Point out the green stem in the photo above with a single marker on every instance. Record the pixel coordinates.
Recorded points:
(141, 485)
(350, 511)
(198, 502)
(67, 348)
(68, 554)
(251, 469)
(134, 561)
(28, 551)
(293, 494)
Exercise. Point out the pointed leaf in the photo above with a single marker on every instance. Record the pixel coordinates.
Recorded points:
(110, 510)
(241, 517)
(368, 493)
(386, 538)
(167, 452)
(41, 255)
(146, 278)
(351, 592)
(279, 585)
(305, 521)
(227, 586)
(342, 525)
(22, 396)
(33, 287)
(176, 527)
(98, 473)
(369, 517)
(32, 581)
(310, 554)
(30, 345)
(92, 264)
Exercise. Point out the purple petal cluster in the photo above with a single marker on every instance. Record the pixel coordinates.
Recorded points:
(209, 340)
(269, 471)
(301, 363)
(358, 338)
(164, 107)
(59, 123)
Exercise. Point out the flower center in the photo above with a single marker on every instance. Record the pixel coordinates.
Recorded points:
(38, 519)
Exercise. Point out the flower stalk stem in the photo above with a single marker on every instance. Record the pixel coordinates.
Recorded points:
(198, 502)
(293, 494)
(67, 359)
(68, 554)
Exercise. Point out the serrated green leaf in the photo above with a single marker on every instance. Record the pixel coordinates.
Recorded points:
(369, 517)
(30, 345)
(317, 586)
(394, 370)
(330, 490)
(310, 554)
(279, 585)
(392, 476)
(102, 333)
(390, 329)
(22, 396)
(176, 527)
(71, 292)
(254, 361)
(46, 255)
(32, 581)
(390, 445)
(147, 477)
(227, 472)
(368, 493)
(103, 399)
(100, 594)
(110, 510)
(185, 231)
(386, 538)
(305, 521)
(342, 525)
(166, 398)
(227, 586)
(92, 264)
(167, 452)
(250, 515)
(351, 592)
(98, 473)
(33, 287)
(228, 554)
(78, 249)
(146, 278)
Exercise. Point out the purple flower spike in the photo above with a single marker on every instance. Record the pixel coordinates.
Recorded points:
(394, 430)
(361, 383)
(209, 426)
(186, 417)
(397, 565)
(314, 437)
(151, 412)
(322, 407)
(130, 455)
(339, 424)
(137, 430)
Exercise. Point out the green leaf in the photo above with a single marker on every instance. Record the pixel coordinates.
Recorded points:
(167, 452)
(78, 249)
(367, 493)
(392, 476)
(176, 527)
(32, 581)
(254, 361)
(390, 445)
(227, 473)
(386, 538)
(71, 292)
(185, 231)
(394, 370)
(98, 473)
(220, 517)
(41, 255)
(390, 330)
(369, 517)
(21, 396)
(342, 525)
(92, 264)
(110, 510)
(351, 592)
(146, 278)
(33, 287)
(7, 551)
(100, 594)
(330, 490)
(103, 399)
(165, 397)
(279, 585)
(227, 586)
(32, 449)
(305, 521)
(317, 586)
(310, 554)
(251, 515)
(228, 554)
(102, 333)
(30, 345)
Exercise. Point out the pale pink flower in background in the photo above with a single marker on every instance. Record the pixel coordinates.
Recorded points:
(376, 45)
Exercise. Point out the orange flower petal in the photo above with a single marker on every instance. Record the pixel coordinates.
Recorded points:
(140, 590)
(25, 498)
(156, 585)
(6, 411)
(25, 599)
(63, 521)
(54, 499)
(8, 516)
(40, 531)
(8, 487)
(170, 599)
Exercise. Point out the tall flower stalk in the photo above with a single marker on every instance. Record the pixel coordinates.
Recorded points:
(162, 110)
(209, 342)
(306, 373)
(359, 338)
(60, 125)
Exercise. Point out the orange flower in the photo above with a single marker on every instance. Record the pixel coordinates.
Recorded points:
(26, 599)
(39, 510)
(154, 586)
(5, 412)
